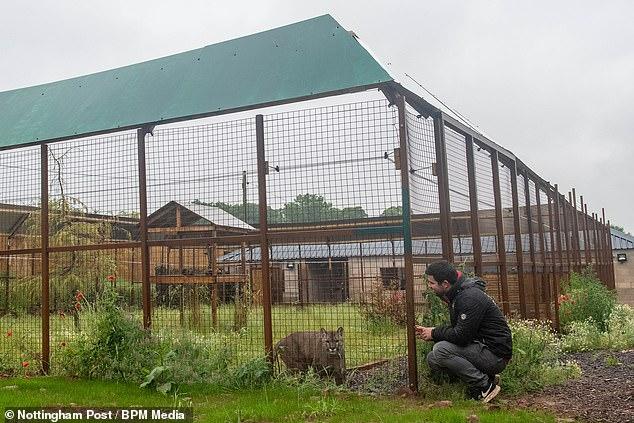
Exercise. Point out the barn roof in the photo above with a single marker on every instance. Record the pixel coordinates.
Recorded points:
(193, 214)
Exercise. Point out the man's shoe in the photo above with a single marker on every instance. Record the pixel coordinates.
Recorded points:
(495, 378)
(489, 393)
(485, 395)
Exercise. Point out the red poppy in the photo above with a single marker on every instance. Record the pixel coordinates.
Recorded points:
(77, 306)
(79, 296)
(25, 364)
(112, 278)
(10, 332)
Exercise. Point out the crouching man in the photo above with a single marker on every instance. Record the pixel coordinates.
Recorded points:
(478, 344)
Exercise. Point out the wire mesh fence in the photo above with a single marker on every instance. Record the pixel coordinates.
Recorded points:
(288, 239)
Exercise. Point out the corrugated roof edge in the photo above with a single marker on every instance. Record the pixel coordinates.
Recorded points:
(629, 240)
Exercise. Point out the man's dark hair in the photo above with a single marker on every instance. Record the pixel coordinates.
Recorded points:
(442, 270)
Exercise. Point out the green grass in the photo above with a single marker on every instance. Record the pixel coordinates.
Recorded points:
(274, 403)
(365, 341)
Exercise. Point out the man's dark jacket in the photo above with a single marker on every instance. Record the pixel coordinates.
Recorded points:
(475, 317)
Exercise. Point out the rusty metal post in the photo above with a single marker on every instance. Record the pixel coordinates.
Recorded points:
(264, 241)
(473, 203)
(571, 230)
(575, 225)
(531, 243)
(443, 188)
(145, 252)
(517, 229)
(501, 248)
(44, 234)
(542, 246)
(611, 262)
(213, 300)
(566, 233)
(412, 364)
(555, 247)
(595, 245)
(586, 234)
(604, 249)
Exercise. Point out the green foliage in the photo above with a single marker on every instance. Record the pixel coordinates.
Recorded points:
(279, 403)
(536, 358)
(69, 271)
(111, 346)
(612, 361)
(586, 335)
(184, 361)
(252, 374)
(436, 312)
(304, 208)
(314, 208)
(392, 211)
(584, 298)
(384, 307)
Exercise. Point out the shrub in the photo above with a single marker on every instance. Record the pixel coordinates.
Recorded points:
(436, 312)
(586, 335)
(536, 358)
(252, 374)
(383, 305)
(585, 297)
(112, 345)
(620, 326)
(582, 336)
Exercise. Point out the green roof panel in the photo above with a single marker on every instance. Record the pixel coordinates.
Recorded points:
(307, 59)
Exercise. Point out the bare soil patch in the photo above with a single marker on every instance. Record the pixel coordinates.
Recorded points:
(603, 393)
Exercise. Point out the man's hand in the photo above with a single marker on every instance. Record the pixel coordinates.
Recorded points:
(424, 333)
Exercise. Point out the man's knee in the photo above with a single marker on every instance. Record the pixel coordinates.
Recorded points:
(443, 349)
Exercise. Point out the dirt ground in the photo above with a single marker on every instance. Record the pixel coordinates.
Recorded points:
(604, 393)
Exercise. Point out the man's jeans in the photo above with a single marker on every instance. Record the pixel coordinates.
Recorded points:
(472, 364)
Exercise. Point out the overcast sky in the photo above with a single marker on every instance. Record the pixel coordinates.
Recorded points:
(552, 81)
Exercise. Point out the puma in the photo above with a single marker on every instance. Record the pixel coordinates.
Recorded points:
(322, 350)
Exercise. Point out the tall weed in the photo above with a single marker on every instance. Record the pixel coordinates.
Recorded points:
(112, 345)
(585, 297)
(536, 358)
(586, 335)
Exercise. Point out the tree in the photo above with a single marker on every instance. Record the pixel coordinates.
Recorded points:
(303, 209)
(314, 208)
(619, 228)
(392, 211)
